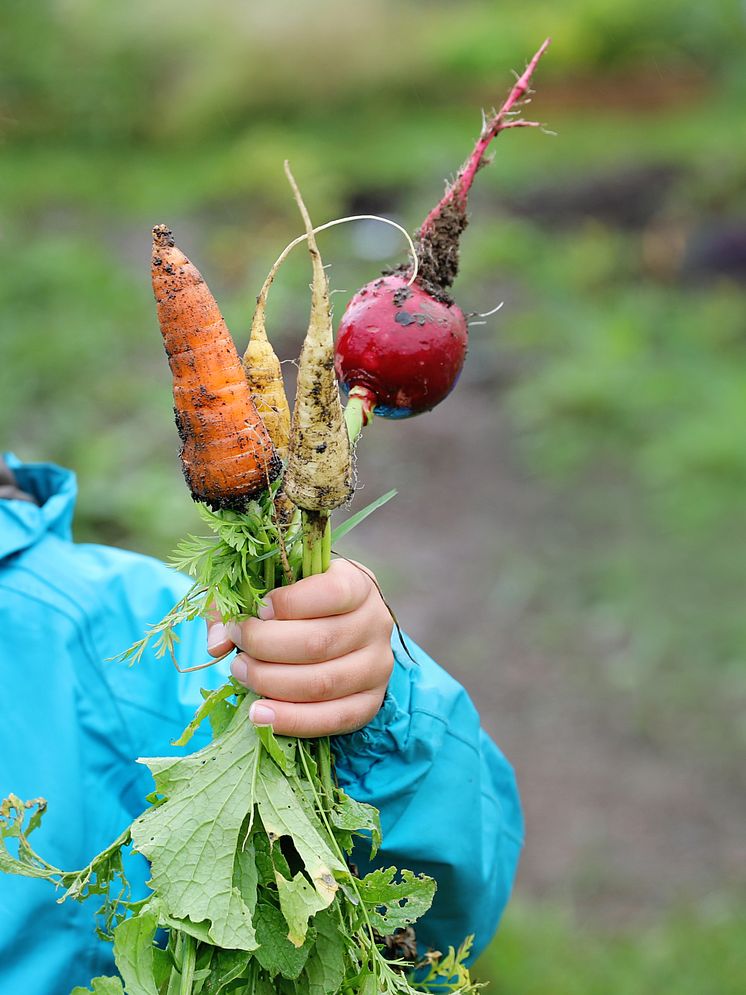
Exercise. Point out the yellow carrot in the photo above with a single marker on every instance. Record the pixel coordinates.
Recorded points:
(264, 374)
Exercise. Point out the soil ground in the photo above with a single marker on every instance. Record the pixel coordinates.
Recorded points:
(623, 820)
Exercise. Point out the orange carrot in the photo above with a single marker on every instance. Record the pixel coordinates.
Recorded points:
(227, 455)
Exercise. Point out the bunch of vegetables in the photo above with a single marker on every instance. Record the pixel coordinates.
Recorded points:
(250, 840)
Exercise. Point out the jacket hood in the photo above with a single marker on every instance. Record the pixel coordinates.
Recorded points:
(24, 522)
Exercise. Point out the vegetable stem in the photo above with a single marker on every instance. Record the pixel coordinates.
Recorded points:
(188, 962)
(317, 553)
(315, 526)
(317, 556)
(269, 564)
(325, 772)
(326, 545)
(500, 121)
(175, 944)
(359, 411)
(306, 565)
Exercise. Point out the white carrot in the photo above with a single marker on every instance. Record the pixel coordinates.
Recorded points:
(319, 469)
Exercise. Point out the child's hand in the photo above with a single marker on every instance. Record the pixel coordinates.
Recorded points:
(320, 656)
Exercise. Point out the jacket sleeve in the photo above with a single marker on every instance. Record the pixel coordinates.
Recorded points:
(447, 797)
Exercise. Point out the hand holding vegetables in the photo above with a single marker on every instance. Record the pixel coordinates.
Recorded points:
(320, 655)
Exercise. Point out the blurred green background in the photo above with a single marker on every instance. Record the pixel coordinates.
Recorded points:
(568, 538)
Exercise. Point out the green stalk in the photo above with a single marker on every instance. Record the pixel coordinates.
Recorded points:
(269, 565)
(317, 554)
(175, 976)
(326, 545)
(315, 524)
(307, 564)
(325, 771)
(188, 962)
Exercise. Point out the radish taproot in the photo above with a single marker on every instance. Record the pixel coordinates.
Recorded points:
(400, 348)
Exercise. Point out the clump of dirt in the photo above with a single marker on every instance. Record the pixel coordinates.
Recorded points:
(438, 248)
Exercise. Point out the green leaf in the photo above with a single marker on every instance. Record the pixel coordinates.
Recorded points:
(395, 904)
(199, 930)
(325, 968)
(95, 879)
(162, 964)
(282, 749)
(298, 901)
(192, 837)
(265, 863)
(449, 973)
(281, 807)
(221, 717)
(351, 817)
(245, 872)
(265, 986)
(101, 986)
(27, 863)
(133, 952)
(227, 966)
(275, 952)
(208, 705)
(360, 516)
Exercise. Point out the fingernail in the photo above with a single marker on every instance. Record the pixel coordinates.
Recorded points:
(240, 670)
(261, 714)
(233, 633)
(216, 636)
(267, 611)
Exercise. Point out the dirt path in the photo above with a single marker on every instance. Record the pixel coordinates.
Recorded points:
(620, 823)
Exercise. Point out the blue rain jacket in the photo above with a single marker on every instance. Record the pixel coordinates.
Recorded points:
(73, 725)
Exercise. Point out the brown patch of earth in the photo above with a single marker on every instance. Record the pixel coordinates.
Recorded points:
(621, 822)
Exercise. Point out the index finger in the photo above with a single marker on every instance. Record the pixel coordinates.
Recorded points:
(343, 588)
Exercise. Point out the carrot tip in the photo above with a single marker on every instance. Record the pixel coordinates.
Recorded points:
(163, 236)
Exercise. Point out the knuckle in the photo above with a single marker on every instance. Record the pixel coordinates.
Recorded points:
(384, 622)
(322, 687)
(319, 643)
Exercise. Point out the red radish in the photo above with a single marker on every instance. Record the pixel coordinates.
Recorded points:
(401, 348)
(402, 345)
